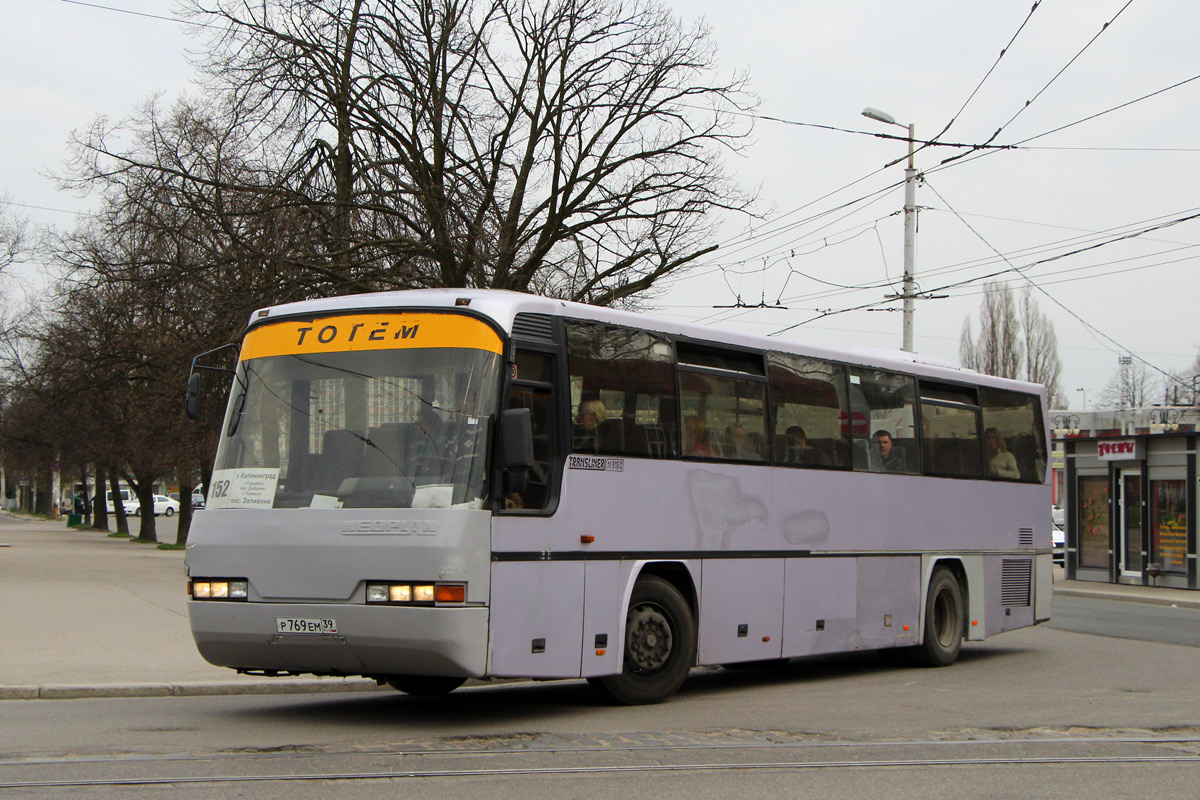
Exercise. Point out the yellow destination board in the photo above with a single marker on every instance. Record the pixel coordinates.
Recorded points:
(371, 331)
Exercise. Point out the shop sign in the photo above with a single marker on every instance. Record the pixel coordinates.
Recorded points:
(1119, 450)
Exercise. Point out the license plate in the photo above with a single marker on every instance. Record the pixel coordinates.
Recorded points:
(298, 625)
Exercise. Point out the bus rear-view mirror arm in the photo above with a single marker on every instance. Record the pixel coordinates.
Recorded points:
(192, 402)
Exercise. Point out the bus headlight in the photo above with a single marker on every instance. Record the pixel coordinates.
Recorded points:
(425, 594)
(219, 589)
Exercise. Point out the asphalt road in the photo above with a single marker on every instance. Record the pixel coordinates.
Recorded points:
(1032, 713)
(1125, 620)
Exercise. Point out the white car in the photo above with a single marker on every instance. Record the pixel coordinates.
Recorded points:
(128, 500)
(1058, 543)
(162, 505)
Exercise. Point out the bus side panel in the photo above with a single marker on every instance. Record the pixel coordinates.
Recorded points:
(1010, 591)
(889, 602)
(602, 618)
(537, 619)
(741, 610)
(820, 612)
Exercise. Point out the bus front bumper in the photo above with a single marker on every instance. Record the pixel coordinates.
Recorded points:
(364, 640)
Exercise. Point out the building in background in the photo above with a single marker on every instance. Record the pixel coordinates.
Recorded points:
(1126, 481)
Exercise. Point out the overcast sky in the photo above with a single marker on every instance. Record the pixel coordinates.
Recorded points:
(820, 64)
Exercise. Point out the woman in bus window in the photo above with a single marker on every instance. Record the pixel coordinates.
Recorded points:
(1001, 462)
(695, 438)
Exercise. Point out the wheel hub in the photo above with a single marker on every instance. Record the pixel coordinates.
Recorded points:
(649, 638)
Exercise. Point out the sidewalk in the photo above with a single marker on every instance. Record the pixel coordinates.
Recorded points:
(85, 615)
(1154, 595)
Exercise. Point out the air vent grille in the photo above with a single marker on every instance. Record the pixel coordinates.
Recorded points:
(539, 327)
(1016, 582)
(1025, 537)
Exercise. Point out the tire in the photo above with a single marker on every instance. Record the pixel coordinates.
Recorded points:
(137, 512)
(169, 511)
(425, 685)
(944, 617)
(660, 646)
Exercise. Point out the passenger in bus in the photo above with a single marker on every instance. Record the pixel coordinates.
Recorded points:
(740, 446)
(891, 459)
(1001, 462)
(695, 438)
(429, 440)
(800, 452)
(586, 435)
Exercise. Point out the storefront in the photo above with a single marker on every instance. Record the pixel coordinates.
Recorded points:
(1131, 509)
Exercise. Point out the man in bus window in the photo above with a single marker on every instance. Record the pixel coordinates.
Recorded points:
(799, 451)
(890, 458)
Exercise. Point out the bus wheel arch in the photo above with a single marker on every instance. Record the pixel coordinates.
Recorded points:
(945, 621)
(659, 647)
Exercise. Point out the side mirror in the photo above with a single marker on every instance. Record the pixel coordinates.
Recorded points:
(193, 396)
(516, 442)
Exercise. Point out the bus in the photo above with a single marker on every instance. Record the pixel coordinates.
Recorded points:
(427, 486)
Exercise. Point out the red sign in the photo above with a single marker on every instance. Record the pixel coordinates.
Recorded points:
(857, 424)
(1122, 450)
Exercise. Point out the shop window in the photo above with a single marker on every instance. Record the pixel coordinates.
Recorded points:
(1168, 525)
(1093, 508)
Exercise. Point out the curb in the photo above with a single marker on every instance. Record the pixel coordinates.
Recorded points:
(1152, 600)
(186, 689)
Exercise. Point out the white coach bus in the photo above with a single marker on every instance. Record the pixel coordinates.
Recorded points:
(426, 486)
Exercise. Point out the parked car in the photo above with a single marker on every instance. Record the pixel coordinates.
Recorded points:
(128, 500)
(162, 505)
(197, 500)
(1058, 543)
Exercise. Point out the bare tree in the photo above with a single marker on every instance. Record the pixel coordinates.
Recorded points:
(1132, 385)
(1042, 364)
(997, 349)
(13, 238)
(571, 148)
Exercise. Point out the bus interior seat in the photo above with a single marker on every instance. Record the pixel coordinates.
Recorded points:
(387, 457)
(341, 458)
(610, 436)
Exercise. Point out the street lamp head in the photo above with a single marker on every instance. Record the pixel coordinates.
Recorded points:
(879, 116)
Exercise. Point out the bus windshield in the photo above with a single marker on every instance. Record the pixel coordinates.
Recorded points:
(380, 428)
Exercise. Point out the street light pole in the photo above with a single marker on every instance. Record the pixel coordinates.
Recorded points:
(910, 240)
(910, 222)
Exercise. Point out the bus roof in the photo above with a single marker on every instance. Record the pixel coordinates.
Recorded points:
(502, 307)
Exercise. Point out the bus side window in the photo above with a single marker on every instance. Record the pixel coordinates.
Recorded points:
(531, 388)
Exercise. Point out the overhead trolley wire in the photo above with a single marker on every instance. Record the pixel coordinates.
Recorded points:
(992, 69)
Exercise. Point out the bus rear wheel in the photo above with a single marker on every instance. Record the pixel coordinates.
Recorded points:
(944, 616)
(660, 646)
(425, 685)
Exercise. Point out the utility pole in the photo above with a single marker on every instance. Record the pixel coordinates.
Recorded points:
(910, 239)
(910, 222)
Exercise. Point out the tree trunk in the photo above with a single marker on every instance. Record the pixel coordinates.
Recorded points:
(185, 513)
(145, 495)
(118, 505)
(101, 518)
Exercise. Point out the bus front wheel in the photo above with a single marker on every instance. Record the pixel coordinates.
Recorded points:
(425, 685)
(660, 646)
(944, 616)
